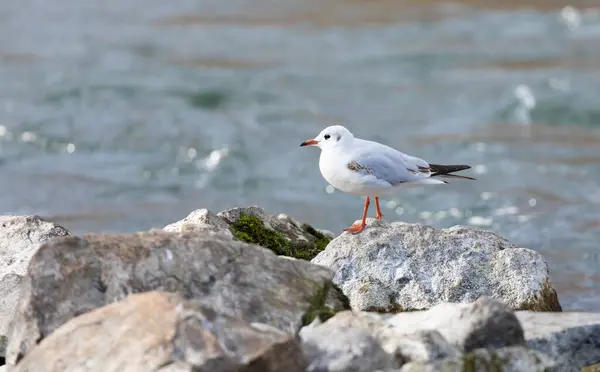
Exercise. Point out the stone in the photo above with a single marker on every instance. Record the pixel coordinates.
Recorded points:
(337, 349)
(162, 332)
(201, 220)
(20, 237)
(70, 276)
(392, 267)
(283, 234)
(570, 338)
(508, 359)
(486, 323)
(420, 345)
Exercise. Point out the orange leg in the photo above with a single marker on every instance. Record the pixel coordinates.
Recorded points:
(357, 228)
(379, 214)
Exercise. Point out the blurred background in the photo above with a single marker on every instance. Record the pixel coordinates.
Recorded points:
(123, 115)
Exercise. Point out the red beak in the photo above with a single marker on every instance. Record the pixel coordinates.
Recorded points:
(310, 142)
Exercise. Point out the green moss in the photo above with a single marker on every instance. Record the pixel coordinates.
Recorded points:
(252, 230)
(321, 241)
(310, 250)
(471, 362)
(341, 297)
(318, 307)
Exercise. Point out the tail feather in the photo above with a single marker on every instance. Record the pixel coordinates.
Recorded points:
(445, 170)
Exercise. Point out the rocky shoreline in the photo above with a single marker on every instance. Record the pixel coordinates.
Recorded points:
(243, 290)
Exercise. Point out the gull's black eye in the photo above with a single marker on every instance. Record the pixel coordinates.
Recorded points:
(327, 136)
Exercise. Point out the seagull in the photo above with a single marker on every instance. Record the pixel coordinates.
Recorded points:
(371, 169)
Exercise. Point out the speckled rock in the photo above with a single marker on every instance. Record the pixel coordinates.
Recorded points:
(201, 220)
(20, 237)
(162, 332)
(70, 276)
(571, 338)
(508, 359)
(398, 266)
(486, 323)
(337, 349)
(404, 346)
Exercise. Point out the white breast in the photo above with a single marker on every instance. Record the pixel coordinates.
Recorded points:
(333, 166)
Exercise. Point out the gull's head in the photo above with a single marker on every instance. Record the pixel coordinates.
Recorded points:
(330, 137)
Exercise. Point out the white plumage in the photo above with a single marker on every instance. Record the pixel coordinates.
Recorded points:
(371, 169)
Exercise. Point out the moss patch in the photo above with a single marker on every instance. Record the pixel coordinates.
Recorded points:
(251, 229)
(472, 361)
(321, 239)
(318, 306)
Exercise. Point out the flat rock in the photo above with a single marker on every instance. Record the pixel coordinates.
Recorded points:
(397, 266)
(571, 338)
(20, 237)
(403, 345)
(508, 359)
(337, 349)
(70, 276)
(162, 332)
(486, 323)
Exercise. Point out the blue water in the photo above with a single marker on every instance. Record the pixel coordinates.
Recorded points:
(120, 116)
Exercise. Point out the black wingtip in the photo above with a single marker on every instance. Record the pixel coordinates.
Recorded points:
(446, 170)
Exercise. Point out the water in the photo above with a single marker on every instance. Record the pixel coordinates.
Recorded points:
(120, 116)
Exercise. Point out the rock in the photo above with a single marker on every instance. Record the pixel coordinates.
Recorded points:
(282, 234)
(70, 276)
(420, 345)
(394, 267)
(201, 220)
(332, 349)
(162, 332)
(20, 237)
(571, 338)
(508, 359)
(486, 323)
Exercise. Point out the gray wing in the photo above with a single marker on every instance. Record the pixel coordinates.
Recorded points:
(387, 164)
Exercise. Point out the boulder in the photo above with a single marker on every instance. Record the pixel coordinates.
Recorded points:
(70, 276)
(508, 359)
(20, 237)
(283, 234)
(486, 323)
(397, 266)
(482, 336)
(157, 331)
(571, 338)
(403, 346)
(338, 349)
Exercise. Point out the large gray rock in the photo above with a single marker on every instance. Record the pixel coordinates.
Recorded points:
(282, 234)
(70, 276)
(161, 332)
(337, 349)
(486, 323)
(398, 266)
(403, 345)
(508, 359)
(20, 237)
(571, 338)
